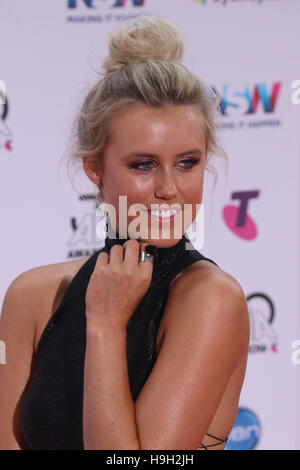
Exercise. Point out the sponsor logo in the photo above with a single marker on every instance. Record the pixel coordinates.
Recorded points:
(246, 431)
(263, 337)
(74, 3)
(246, 101)
(116, 3)
(6, 136)
(122, 3)
(224, 3)
(2, 92)
(83, 240)
(244, 106)
(236, 217)
(103, 11)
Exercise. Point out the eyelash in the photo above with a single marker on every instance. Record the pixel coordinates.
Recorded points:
(194, 161)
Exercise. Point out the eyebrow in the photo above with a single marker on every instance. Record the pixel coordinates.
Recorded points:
(147, 154)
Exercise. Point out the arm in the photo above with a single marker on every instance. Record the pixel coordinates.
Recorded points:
(117, 284)
(108, 413)
(17, 330)
(206, 340)
(184, 389)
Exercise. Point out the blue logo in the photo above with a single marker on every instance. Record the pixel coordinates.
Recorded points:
(136, 3)
(246, 431)
(73, 3)
(247, 100)
(118, 3)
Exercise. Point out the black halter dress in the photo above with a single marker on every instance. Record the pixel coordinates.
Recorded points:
(52, 406)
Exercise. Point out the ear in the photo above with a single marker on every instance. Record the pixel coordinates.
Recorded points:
(91, 168)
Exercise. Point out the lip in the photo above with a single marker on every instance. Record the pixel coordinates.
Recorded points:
(160, 219)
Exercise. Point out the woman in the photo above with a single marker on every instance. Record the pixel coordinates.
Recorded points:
(113, 351)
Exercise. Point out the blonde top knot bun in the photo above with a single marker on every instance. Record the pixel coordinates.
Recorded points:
(143, 38)
(143, 67)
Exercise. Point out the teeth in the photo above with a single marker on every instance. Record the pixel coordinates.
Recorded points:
(164, 214)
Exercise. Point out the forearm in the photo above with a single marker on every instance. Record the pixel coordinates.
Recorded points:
(108, 408)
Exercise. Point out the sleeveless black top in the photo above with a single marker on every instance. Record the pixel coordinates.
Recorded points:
(52, 407)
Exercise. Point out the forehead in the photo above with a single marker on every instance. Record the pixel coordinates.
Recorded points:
(143, 126)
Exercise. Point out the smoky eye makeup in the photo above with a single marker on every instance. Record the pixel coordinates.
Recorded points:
(185, 163)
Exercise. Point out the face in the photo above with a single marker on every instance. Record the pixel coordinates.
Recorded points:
(155, 156)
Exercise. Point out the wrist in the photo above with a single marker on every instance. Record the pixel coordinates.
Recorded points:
(99, 329)
(106, 339)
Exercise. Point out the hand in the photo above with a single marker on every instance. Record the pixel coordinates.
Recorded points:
(117, 286)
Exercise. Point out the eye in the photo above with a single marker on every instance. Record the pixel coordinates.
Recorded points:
(138, 165)
(193, 161)
(190, 161)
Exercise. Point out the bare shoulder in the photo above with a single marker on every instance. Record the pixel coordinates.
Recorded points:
(27, 307)
(43, 281)
(203, 274)
(40, 290)
(204, 270)
(212, 298)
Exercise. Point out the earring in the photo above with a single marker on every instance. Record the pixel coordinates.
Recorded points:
(99, 202)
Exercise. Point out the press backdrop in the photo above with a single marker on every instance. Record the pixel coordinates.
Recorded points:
(248, 50)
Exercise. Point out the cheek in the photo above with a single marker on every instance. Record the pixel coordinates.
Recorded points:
(193, 188)
(136, 187)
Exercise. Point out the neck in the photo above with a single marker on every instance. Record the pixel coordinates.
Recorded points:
(113, 237)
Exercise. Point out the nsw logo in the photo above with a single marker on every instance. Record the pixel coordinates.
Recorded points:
(246, 100)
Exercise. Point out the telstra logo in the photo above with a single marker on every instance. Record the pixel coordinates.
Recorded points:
(236, 217)
(246, 101)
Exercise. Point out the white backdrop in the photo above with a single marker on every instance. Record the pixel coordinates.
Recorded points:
(245, 49)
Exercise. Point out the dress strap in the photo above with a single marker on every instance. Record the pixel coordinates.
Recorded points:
(212, 445)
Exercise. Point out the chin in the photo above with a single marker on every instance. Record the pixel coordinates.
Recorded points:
(161, 242)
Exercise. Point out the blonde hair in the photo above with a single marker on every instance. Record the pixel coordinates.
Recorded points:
(143, 67)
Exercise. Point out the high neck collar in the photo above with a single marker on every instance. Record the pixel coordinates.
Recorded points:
(163, 258)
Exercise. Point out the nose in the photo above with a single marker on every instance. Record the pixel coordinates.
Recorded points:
(165, 187)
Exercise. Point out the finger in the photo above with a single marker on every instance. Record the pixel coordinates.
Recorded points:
(142, 246)
(116, 254)
(131, 252)
(102, 260)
